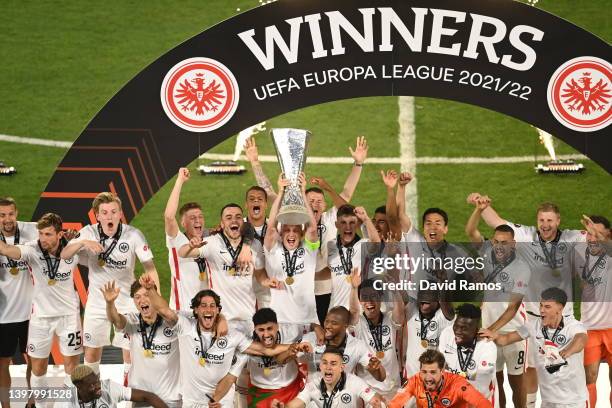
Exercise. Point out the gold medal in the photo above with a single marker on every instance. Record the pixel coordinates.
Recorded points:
(202, 361)
(148, 353)
(267, 371)
(232, 271)
(424, 343)
(51, 282)
(289, 280)
(101, 262)
(556, 273)
(202, 276)
(14, 270)
(348, 278)
(463, 374)
(380, 354)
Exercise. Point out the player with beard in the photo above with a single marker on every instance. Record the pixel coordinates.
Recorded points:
(16, 292)
(153, 344)
(426, 321)
(593, 266)
(325, 218)
(558, 343)
(378, 330)
(290, 256)
(55, 305)
(332, 386)
(188, 276)
(211, 355)
(355, 351)
(503, 310)
(433, 387)
(547, 250)
(116, 246)
(90, 392)
(345, 253)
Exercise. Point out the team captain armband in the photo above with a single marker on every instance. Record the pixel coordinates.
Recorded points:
(312, 245)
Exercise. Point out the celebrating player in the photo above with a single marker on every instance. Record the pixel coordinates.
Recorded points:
(188, 276)
(16, 290)
(116, 246)
(558, 343)
(503, 310)
(55, 307)
(153, 344)
(435, 388)
(333, 387)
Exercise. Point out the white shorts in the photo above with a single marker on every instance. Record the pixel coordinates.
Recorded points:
(41, 331)
(97, 331)
(513, 356)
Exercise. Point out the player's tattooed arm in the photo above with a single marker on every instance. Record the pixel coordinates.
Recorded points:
(10, 251)
(359, 156)
(170, 224)
(110, 293)
(250, 150)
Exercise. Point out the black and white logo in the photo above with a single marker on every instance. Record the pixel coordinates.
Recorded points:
(471, 365)
(168, 332)
(300, 252)
(222, 343)
(69, 261)
(87, 336)
(561, 340)
(386, 330)
(345, 359)
(124, 247)
(433, 326)
(504, 277)
(345, 398)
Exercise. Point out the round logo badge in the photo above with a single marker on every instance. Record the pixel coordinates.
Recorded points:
(124, 247)
(445, 401)
(222, 343)
(580, 94)
(199, 94)
(346, 398)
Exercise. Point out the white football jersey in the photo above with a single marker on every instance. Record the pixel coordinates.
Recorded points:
(542, 275)
(568, 384)
(164, 361)
(354, 389)
(341, 287)
(112, 394)
(236, 290)
(267, 373)
(356, 352)
(118, 267)
(389, 331)
(186, 280)
(414, 348)
(295, 303)
(51, 299)
(596, 276)
(327, 232)
(16, 287)
(513, 278)
(481, 366)
(198, 380)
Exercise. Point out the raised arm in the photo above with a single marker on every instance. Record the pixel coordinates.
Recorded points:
(390, 179)
(471, 227)
(354, 305)
(250, 150)
(362, 215)
(149, 269)
(272, 235)
(170, 224)
(400, 197)
(489, 215)
(158, 302)
(337, 200)
(359, 156)
(110, 293)
(312, 232)
(10, 251)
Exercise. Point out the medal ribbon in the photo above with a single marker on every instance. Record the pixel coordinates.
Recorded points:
(550, 256)
(464, 361)
(12, 263)
(431, 402)
(424, 326)
(201, 262)
(555, 334)
(94, 403)
(147, 341)
(328, 400)
(320, 232)
(290, 261)
(442, 252)
(347, 263)
(376, 332)
(212, 341)
(52, 264)
(233, 252)
(586, 273)
(261, 237)
(103, 237)
(498, 266)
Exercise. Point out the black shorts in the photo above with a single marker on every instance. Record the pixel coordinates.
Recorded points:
(13, 335)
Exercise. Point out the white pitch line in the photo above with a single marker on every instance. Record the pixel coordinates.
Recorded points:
(407, 142)
(330, 160)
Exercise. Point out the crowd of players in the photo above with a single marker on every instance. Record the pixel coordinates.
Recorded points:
(275, 315)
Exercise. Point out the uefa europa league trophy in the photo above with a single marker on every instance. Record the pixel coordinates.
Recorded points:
(290, 147)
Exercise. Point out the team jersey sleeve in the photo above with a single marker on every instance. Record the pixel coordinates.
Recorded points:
(575, 235)
(365, 392)
(183, 325)
(485, 367)
(131, 323)
(243, 343)
(27, 253)
(469, 394)
(238, 364)
(525, 330)
(522, 233)
(308, 393)
(118, 393)
(577, 329)
(521, 278)
(143, 252)
(405, 393)
(364, 354)
(258, 255)
(85, 233)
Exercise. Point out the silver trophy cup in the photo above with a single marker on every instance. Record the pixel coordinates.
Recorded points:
(291, 147)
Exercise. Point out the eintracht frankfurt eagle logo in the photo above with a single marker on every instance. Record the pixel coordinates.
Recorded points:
(199, 94)
(580, 94)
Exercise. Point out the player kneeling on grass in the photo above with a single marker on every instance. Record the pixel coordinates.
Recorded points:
(153, 344)
(558, 343)
(435, 388)
(90, 392)
(333, 387)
